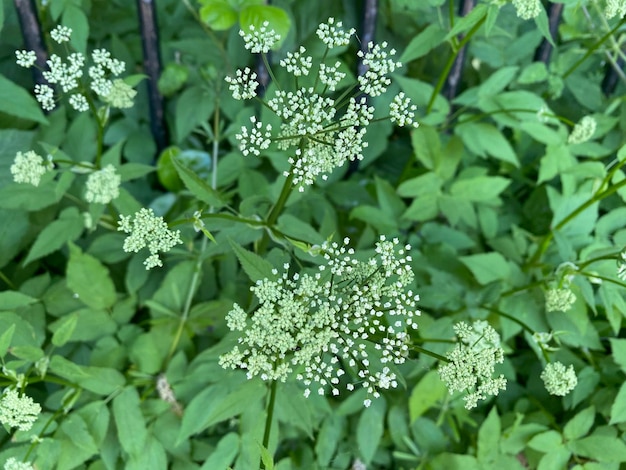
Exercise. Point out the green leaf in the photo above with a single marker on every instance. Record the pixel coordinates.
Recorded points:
(427, 146)
(489, 437)
(224, 454)
(131, 171)
(13, 235)
(328, 438)
(423, 43)
(10, 300)
(487, 267)
(90, 280)
(256, 15)
(428, 392)
(16, 101)
(152, 457)
(478, 13)
(618, 351)
(254, 266)
(68, 227)
(130, 422)
(218, 14)
(545, 441)
(370, 429)
(267, 458)
(580, 424)
(5, 339)
(194, 106)
(99, 380)
(479, 188)
(218, 403)
(64, 332)
(77, 444)
(75, 18)
(197, 186)
(600, 448)
(618, 409)
(485, 139)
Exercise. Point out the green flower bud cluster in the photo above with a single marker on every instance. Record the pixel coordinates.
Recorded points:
(471, 364)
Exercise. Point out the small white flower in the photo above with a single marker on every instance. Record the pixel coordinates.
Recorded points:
(559, 380)
(103, 186)
(45, 96)
(18, 411)
(297, 63)
(380, 63)
(260, 40)
(582, 131)
(559, 299)
(243, 86)
(120, 95)
(25, 58)
(330, 75)
(28, 168)
(255, 140)
(527, 9)
(333, 35)
(147, 230)
(61, 34)
(79, 102)
(13, 464)
(402, 111)
(615, 8)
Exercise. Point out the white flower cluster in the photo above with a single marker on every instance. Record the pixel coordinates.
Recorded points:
(346, 316)
(558, 379)
(13, 464)
(559, 299)
(260, 40)
(331, 76)
(582, 131)
(103, 185)
(380, 63)
(29, 167)
(402, 112)
(67, 76)
(321, 136)
(333, 35)
(615, 8)
(527, 9)
(471, 364)
(148, 230)
(297, 63)
(243, 86)
(18, 411)
(256, 139)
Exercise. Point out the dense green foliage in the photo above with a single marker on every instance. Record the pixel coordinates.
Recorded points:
(511, 198)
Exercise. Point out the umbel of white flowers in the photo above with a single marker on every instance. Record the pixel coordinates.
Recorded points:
(346, 316)
(321, 132)
(472, 363)
(67, 75)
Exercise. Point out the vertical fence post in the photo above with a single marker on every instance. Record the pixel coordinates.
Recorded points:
(31, 30)
(152, 67)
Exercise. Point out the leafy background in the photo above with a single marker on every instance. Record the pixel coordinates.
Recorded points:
(487, 190)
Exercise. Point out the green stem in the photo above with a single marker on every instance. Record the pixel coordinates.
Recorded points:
(541, 249)
(593, 48)
(276, 210)
(268, 419)
(430, 353)
(450, 63)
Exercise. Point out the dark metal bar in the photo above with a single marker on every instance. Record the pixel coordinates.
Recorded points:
(543, 52)
(368, 32)
(152, 67)
(33, 40)
(451, 86)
